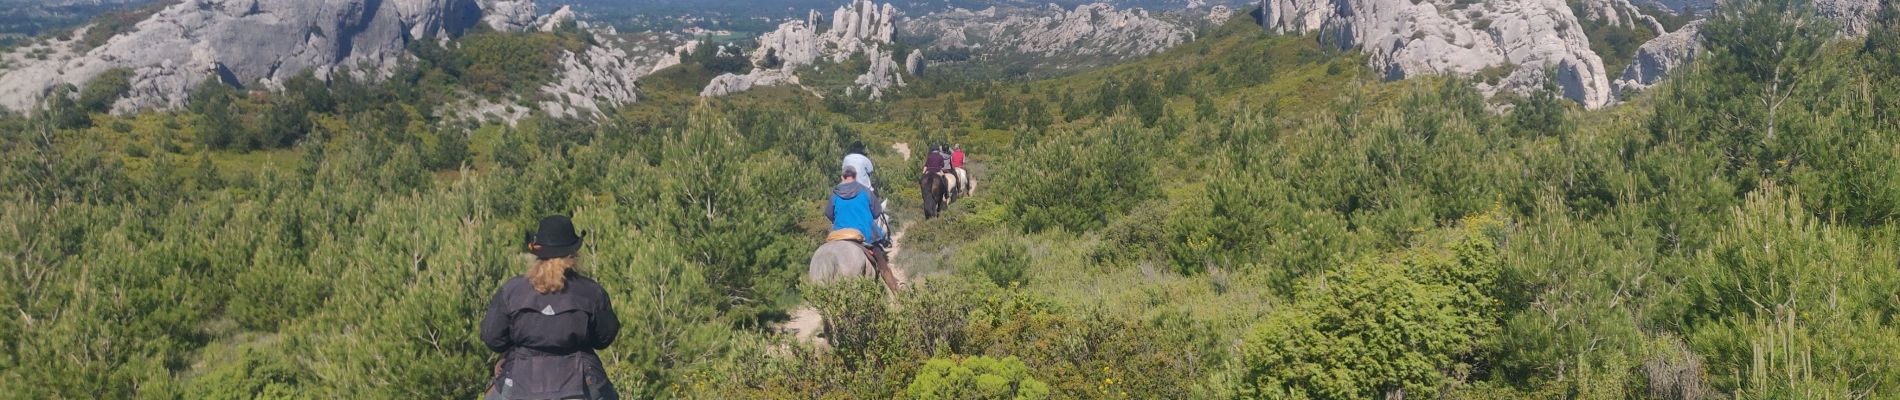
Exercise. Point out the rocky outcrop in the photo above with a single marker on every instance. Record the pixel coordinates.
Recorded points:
(1403, 38)
(560, 17)
(854, 28)
(730, 84)
(606, 75)
(247, 42)
(1665, 55)
(1618, 13)
(509, 15)
(1659, 59)
(599, 77)
(1086, 36)
(881, 75)
(1854, 17)
(915, 63)
(861, 27)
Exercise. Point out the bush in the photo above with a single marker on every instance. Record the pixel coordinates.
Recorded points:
(105, 89)
(853, 310)
(1079, 182)
(1001, 258)
(976, 377)
(1410, 324)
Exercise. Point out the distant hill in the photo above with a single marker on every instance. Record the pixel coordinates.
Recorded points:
(26, 18)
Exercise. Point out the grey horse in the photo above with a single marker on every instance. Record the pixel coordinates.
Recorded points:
(845, 256)
(840, 259)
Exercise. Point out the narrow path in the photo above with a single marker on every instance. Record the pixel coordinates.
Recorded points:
(806, 322)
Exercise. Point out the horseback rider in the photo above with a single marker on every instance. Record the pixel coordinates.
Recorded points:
(854, 158)
(855, 206)
(937, 162)
(956, 164)
(548, 323)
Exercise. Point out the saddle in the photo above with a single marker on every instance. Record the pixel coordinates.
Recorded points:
(842, 235)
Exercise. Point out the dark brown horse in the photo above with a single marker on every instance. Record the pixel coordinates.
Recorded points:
(934, 187)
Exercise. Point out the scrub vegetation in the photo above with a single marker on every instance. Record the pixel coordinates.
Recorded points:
(1246, 216)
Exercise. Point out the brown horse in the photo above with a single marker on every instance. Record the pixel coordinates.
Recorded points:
(934, 188)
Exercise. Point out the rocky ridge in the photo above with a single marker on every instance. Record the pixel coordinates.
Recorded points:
(1527, 39)
(245, 41)
(862, 27)
(1085, 36)
(1663, 56)
(261, 43)
(1531, 38)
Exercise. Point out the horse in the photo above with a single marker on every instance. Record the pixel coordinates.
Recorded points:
(934, 188)
(965, 185)
(844, 255)
(953, 187)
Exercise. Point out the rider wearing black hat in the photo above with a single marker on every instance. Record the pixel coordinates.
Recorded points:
(548, 323)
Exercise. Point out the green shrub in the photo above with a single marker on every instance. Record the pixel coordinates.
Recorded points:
(1412, 324)
(853, 310)
(1001, 258)
(1077, 183)
(104, 89)
(976, 377)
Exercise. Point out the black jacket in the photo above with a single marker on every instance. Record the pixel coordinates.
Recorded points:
(548, 340)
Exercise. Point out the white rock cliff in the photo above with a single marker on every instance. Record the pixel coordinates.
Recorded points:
(1086, 36)
(1407, 39)
(1660, 58)
(861, 27)
(245, 42)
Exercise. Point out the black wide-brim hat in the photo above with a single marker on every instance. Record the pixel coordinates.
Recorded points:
(555, 238)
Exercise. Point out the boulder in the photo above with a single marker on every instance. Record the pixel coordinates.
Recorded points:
(881, 76)
(729, 84)
(509, 15)
(1660, 58)
(915, 63)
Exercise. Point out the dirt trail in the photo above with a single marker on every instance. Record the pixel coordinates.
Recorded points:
(806, 322)
(902, 148)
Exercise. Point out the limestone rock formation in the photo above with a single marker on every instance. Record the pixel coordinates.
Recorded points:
(1854, 17)
(246, 42)
(880, 76)
(1086, 36)
(1619, 13)
(509, 15)
(1660, 58)
(915, 63)
(854, 28)
(606, 75)
(861, 27)
(551, 22)
(601, 76)
(1406, 39)
(1663, 56)
(729, 84)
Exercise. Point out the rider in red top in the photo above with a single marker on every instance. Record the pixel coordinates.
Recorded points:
(956, 157)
